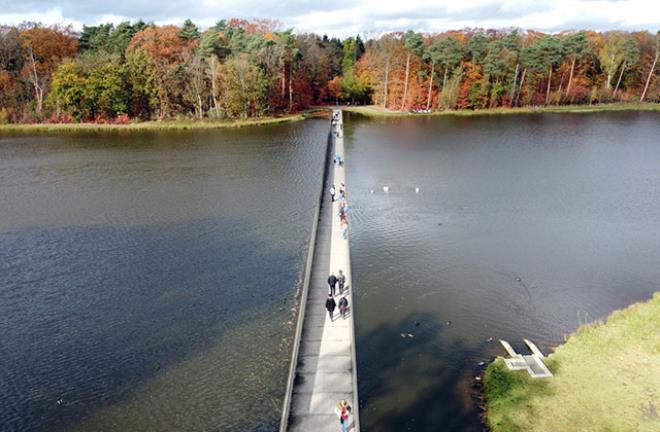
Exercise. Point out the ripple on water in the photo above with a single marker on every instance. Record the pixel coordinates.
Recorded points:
(520, 229)
(146, 282)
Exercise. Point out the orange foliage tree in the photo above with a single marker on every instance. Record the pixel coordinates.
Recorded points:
(45, 48)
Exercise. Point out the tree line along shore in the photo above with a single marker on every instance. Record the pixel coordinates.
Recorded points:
(605, 378)
(239, 69)
(322, 112)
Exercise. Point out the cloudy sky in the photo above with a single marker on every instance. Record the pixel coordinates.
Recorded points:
(344, 17)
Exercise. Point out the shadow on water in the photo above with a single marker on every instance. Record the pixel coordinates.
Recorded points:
(91, 313)
(405, 379)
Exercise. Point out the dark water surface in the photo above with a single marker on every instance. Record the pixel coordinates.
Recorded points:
(524, 226)
(146, 281)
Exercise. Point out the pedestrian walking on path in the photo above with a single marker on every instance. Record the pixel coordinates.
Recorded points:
(343, 306)
(341, 280)
(332, 282)
(330, 306)
(343, 409)
(332, 192)
(344, 229)
(343, 209)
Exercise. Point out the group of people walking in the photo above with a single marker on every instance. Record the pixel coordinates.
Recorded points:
(337, 283)
(330, 304)
(340, 195)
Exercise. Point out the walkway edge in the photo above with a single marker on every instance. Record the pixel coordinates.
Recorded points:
(286, 405)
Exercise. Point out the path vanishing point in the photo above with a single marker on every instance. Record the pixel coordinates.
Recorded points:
(323, 368)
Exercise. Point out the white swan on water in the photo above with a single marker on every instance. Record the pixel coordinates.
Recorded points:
(416, 190)
(386, 189)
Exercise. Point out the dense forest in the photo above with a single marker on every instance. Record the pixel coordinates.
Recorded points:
(239, 69)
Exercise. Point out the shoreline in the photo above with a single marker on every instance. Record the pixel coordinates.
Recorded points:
(146, 126)
(376, 111)
(372, 111)
(591, 369)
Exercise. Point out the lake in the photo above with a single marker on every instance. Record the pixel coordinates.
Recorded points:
(147, 280)
(522, 226)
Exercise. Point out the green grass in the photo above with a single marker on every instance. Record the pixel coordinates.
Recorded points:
(166, 125)
(376, 111)
(606, 378)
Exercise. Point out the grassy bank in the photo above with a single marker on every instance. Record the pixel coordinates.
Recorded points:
(376, 111)
(606, 378)
(166, 125)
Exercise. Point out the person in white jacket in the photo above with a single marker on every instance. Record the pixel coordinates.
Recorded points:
(343, 409)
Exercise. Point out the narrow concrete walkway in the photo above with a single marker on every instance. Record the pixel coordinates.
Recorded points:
(325, 371)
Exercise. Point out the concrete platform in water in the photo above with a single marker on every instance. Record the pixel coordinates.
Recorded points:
(323, 369)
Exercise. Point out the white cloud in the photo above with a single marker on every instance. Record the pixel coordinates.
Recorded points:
(49, 16)
(346, 17)
(110, 18)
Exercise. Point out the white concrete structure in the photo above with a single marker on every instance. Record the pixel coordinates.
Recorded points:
(325, 370)
(533, 363)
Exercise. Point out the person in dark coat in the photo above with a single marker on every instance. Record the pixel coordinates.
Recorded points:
(332, 282)
(330, 305)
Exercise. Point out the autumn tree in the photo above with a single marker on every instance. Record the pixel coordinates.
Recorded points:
(106, 94)
(68, 89)
(630, 57)
(164, 48)
(11, 63)
(90, 88)
(611, 55)
(44, 49)
(213, 49)
(544, 54)
(240, 68)
(415, 45)
(11, 49)
(143, 83)
(382, 60)
(353, 87)
(335, 88)
(319, 60)
(288, 56)
(243, 88)
(193, 68)
(652, 68)
(576, 46)
(446, 53)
